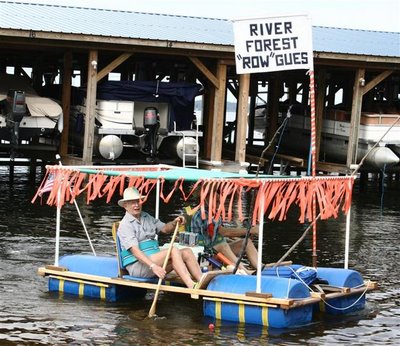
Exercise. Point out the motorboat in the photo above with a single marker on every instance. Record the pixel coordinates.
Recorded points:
(40, 122)
(379, 136)
(150, 117)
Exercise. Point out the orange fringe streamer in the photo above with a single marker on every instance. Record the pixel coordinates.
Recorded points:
(217, 196)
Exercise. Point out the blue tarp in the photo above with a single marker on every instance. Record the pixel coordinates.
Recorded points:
(179, 95)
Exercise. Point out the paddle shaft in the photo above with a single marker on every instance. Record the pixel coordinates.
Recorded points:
(152, 310)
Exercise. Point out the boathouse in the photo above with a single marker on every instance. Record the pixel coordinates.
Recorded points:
(356, 71)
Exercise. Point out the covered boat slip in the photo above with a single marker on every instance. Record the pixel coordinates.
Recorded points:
(277, 296)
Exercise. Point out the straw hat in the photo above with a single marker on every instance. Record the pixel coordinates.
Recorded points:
(130, 194)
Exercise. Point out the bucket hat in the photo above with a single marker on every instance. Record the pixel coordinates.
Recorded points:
(130, 194)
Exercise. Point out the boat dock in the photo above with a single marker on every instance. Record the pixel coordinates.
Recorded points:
(352, 85)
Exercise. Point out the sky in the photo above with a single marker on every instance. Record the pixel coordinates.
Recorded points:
(377, 15)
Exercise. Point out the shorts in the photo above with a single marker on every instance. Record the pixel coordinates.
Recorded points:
(140, 270)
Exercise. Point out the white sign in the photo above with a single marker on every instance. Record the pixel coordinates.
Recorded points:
(273, 44)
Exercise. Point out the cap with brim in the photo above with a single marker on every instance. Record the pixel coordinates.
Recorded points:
(130, 194)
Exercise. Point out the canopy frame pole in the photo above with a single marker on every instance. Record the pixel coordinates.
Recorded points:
(260, 241)
(157, 210)
(58, 222)
(347, 241)
(79, 212)
(84, 226)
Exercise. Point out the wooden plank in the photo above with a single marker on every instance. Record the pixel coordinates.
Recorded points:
(58, 268)
(320, 106)
(305, 301)
(371, 84)
(332, 167)
(348, 292)
(329, 288)
(98, 284)
(240, 302)
(372, 285)
(218, 115)
(112, 65)
(317, 295)
(284, 263)
(241, 118)
(208, 276)
(66, 101)
(90, 109)
(260, 295)
(292, 159)
(355, 118)
(282, 303)
(207, 73)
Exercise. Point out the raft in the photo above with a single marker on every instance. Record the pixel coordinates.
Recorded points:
(279, 297)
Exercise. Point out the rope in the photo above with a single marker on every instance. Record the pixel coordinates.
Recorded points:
(322, 299)
(351, 305)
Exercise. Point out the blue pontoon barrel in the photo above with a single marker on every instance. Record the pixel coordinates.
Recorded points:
(338, 278)
(237, 311)
(104, 266)
(341, 278)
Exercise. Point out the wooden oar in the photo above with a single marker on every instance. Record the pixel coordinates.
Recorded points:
(152, 310)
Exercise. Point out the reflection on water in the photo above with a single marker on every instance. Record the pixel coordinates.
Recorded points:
(28, 313)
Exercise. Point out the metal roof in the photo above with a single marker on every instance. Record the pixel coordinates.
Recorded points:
(197, 30)
(91, 21)
(362, 42)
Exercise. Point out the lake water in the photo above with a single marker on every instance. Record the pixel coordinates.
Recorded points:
(29, 314)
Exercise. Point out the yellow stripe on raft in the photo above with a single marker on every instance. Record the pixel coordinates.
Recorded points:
(218, 310)
(61, 285)
(241, 309)
(102, 292)
(264, 316)
(82, 284)
(322, 306)
(81, 289)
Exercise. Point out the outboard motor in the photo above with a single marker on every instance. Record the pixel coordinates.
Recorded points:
(151, 123)
(14, 117)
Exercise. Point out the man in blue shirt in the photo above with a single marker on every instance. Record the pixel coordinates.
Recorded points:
(213, 236)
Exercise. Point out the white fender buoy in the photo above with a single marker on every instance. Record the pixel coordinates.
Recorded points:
(110, 147)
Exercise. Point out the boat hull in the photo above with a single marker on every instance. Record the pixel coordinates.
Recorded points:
(334, 148)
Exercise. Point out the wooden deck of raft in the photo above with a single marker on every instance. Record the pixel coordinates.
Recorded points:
(249, 298)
